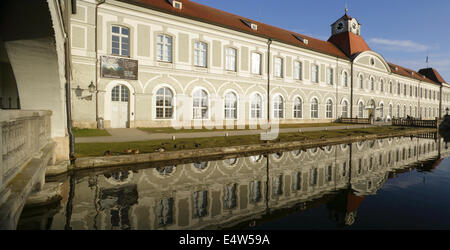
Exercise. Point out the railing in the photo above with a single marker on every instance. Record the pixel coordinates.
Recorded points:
(355, 120)
(413, 122)
(22, 136)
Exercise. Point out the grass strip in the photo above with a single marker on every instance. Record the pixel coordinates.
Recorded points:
(120, 148)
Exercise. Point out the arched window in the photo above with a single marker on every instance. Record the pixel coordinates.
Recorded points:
(298, 108)
(256, 106)
(404, 111)
(398, 111)
(278, 107)
(390, 110)
(344, 109)
(344, 79)
(120, 41)
(372, 83)
(120, 93)
(315, 73)
(200, 104)
(329, 108)
(230, 106)
(381, 85)
(164, 103)
(381, 110)
(361, 82)
(361, 110)
(390, 87)
(314, 108)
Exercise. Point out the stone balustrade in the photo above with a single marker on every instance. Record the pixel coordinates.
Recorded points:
(23, 134)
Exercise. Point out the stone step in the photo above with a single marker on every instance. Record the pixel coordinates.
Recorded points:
(51, 192)
(58, 168)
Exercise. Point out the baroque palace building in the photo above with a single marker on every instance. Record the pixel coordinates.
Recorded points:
(150, 63)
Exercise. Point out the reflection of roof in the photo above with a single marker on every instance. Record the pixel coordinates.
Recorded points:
(353, 202)
(436, 163)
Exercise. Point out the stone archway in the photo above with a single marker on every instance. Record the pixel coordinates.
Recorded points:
(371, 108)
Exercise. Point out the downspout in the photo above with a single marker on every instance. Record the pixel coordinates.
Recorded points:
(351, 91)
(67, 75)
(337, 88)
(420, 97)
(99, 2)
(440, 102)
(269, 42)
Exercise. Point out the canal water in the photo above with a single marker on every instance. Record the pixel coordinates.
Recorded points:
(394, 183)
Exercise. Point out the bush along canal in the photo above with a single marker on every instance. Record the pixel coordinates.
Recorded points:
(382, 183)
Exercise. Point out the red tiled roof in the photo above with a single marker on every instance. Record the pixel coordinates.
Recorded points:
(349, 43)
(210, 15)
(203, 13)
(432, 74)
(399, 70)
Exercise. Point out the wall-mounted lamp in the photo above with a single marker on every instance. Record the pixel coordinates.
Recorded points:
(91, 87)
(78, 91)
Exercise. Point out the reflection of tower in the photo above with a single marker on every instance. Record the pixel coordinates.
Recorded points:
(343, 208)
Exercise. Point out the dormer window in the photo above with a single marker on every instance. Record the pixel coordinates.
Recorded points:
(301, 39)
(253, 26)
(176, 4)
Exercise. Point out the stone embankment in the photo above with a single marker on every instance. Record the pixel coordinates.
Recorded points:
(107, 161)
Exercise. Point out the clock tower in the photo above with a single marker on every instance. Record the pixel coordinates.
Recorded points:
(346, 24)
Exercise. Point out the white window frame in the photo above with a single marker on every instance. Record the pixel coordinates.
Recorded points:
(330, 73)
(164, 52)
(164, 107)
(254, 109)
(121, 37)
(344, 79)
(314, 107)
(344, 109)
(315, 73)
(256, 64)
(298, 109)
(201, 54)
(329, 109)
(278, 67)
(298, 67)
(278, 111)
(200, 107)
(230, 59)
(232, 108)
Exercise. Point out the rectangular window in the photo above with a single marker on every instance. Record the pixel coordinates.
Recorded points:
(278, 67)
(120, 41)
(256, 63)
(330, 76)
(230, 59)
(164, 48)
(315, 73)
(200, 54)
(297, 70)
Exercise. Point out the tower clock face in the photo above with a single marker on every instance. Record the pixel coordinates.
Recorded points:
(340, 26)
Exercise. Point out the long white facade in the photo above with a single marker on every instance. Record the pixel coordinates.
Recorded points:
(198, 72)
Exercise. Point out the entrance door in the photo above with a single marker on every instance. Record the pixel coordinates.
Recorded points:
(120, 107)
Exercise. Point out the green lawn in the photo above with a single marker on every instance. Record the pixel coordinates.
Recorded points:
(87, 132)
(118, 148)
(173, 130)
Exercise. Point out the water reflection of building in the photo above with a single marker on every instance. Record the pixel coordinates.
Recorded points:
(224, 193)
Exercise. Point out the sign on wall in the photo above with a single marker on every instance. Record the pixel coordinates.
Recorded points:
(119, 68)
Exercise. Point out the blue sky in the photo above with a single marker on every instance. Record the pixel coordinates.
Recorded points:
(402, 31)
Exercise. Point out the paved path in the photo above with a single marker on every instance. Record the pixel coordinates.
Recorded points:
(134, 134)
